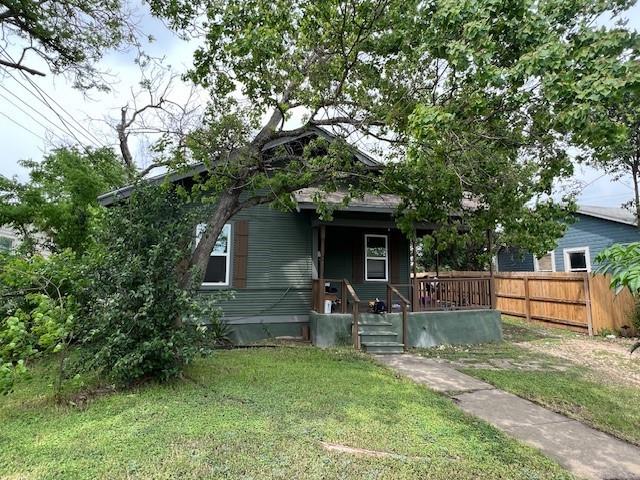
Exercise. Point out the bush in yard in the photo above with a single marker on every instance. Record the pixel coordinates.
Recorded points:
(137, 322)
(37, 313)
(622, 262)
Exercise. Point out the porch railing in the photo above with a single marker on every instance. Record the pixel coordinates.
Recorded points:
(452, 293)
(343, 297)
(353, 297)
(392, 293)
(465, 293)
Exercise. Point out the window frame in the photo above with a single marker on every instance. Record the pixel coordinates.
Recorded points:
(536, 264)
(11, 243)
(385, 258)
(567, 259)
(227, 279)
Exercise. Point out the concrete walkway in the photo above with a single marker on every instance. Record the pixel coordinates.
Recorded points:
(584, 451)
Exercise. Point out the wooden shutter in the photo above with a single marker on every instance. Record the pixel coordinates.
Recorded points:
(357, 257)
(396, 256)
(240, 235)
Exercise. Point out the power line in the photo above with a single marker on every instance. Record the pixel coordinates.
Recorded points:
(33, 118)
(40, 96)
(22, 126)
(29, 106)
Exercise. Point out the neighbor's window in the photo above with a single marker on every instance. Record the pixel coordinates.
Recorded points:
(577, 259)
(376, 263)
(217, 272)
(6, 244)
(546, 263)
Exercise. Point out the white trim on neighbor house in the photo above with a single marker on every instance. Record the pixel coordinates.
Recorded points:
(536, 264)
(567, 261)
(385, 258)
(227, 254)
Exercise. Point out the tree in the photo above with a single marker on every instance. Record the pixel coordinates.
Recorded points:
(56, 207)
(131, 297)
(68, 36)
(598, 103)
(433, 82)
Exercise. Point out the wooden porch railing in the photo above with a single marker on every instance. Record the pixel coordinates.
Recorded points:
(345, 297)
(432, 294)
(355, 312)
(392, 292)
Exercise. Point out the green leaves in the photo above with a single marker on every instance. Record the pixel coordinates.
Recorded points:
(622, 262)
(57, 208)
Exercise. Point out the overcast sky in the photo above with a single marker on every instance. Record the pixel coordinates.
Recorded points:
(26, 133)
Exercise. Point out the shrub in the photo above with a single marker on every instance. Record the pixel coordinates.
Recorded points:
(137, 322)
(37, 315)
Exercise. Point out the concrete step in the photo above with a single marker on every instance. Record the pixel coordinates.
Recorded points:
(382, 347)
(377, 321)
(377, 336)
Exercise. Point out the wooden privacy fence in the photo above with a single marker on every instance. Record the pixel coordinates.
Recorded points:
(577, 301)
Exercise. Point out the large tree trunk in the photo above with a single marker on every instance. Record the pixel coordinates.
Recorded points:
(191, 270)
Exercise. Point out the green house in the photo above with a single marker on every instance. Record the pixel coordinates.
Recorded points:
(294, 274)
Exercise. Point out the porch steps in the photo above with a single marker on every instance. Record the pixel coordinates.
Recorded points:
(382, 347)
(377, 335)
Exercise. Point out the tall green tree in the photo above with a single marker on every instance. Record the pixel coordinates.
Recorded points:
(453, 91)
(55, 208)
(597, 99)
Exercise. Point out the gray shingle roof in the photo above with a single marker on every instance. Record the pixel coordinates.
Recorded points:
(619, 215)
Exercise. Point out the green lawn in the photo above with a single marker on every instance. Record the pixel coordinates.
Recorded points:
(260, 413)
(569, 387)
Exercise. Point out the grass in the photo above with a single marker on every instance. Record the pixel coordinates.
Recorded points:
(260, 413)
(577, 391)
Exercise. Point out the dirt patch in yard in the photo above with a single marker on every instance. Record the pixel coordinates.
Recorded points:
(609, 359)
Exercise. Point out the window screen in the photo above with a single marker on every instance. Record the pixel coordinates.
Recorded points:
(217, 272)
(376, 262)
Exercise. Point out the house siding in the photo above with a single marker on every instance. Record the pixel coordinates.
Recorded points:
(586, 231)
(278, 266)
(339, 264)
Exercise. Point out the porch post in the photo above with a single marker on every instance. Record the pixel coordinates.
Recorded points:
(323, 234)
(414, 281)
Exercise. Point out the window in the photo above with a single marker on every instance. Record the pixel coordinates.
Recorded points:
(376, 263)
(546, 263)
(577, 259)
(6, 244)
(217, 272)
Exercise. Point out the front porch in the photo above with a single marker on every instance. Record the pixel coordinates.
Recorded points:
(363, 264)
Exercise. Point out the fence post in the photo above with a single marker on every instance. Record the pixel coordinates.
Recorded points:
(587, 305)
(492, 291)
(527, 301)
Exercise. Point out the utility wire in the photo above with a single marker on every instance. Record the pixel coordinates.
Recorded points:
(29, 106)
(23, 127)
(67, 129)
(40, 95)
(33, 118)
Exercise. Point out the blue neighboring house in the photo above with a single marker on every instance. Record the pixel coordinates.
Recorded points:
(594, 229)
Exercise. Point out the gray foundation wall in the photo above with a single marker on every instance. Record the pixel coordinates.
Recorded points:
(459, 327)
(330, 330)
(425, 329)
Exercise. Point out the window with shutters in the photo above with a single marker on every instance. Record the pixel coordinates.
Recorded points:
(217, 272)
(545, 263)
(376, 264)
